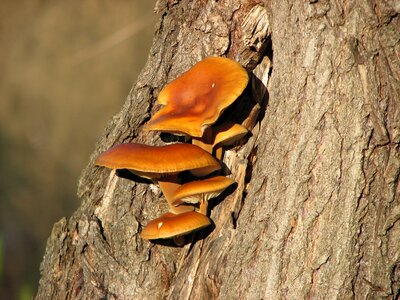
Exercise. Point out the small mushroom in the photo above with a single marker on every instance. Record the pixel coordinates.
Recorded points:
(170, 225)
(227, 134)
(196, 99)
(201, 191)
(215, 137)
(160, 163)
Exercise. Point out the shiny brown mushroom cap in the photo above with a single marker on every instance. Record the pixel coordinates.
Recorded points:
(197, 98)
(170, 225)
(193, 192)
(228, 133)
(151, 161)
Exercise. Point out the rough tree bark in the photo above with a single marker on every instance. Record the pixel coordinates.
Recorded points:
(316, 213)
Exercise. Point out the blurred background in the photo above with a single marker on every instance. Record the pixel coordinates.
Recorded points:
(66, 68)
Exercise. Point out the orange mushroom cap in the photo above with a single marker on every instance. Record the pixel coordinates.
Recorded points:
(228, 133)
(152, 161)
(170, 225)
(193, 192)
(197, 98)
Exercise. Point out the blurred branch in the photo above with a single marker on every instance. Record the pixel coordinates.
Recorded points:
(112, 40)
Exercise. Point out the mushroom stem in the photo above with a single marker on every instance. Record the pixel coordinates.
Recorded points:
(168, 186)
(203, 206)
(206, 141)
(179, 240)
(203, 145)
(219, 152)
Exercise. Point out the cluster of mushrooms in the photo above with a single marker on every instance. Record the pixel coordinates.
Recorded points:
(192, 104)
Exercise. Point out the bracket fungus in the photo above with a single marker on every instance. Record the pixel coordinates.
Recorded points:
(196, 99)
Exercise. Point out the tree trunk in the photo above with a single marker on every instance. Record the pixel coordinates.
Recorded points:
(316, 212)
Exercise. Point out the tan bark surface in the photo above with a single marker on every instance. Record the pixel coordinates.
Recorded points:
(316, 210)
